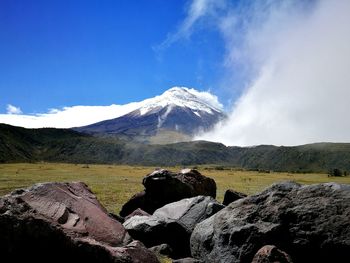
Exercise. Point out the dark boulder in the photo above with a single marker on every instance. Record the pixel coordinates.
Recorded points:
(231, 196)
(136, 201)
(271, 254)
(163, 187)
(199, 184)
(173, 223)
(63, 222)
(310, 223)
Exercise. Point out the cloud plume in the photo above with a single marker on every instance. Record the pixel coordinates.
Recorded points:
(297, 59)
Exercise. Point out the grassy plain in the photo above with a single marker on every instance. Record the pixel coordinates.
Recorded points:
(115, 184)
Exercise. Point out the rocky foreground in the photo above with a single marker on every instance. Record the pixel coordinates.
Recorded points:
(177, 215)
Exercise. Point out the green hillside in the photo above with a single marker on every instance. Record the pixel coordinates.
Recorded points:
(64, 145)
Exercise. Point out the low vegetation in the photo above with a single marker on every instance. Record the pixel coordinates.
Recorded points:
(115, 184)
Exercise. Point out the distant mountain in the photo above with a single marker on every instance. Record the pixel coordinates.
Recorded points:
(19, 144)
(62, 145)
(176, 115)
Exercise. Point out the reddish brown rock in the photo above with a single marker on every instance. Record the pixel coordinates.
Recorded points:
(271, 254)
(63, 222)
(163, 187)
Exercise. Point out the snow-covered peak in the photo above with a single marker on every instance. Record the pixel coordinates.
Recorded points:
(75, 116)
(177, 112)
(179, 92)
(189, 93)
(183, 97)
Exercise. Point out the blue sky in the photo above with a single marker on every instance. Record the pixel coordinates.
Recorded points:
(273, 64)
(64, 53)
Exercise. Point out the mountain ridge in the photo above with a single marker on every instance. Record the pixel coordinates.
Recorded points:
(63, 145)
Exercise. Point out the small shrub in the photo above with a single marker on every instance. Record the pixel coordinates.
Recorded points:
(335, 172)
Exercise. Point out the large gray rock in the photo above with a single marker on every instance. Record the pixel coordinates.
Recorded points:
(152, 231)
(190, 211)
(137, 212)
(173, 223)
(163, 187)
(310, 223)
(63, 222)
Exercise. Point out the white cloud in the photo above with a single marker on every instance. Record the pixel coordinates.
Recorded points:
(207, 97)
(298, 64)
(13, 109)
(68, 116)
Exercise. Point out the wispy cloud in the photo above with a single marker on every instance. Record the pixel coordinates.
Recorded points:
(13, 109)
(196, 10)
(296, 58)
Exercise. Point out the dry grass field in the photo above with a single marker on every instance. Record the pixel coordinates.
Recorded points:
(114, 185)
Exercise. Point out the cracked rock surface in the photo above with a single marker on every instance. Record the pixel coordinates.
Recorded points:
(63, 222)
(310, 223)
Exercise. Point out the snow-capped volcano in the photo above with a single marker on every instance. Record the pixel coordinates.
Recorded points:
(176, 115)
(182, 97)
